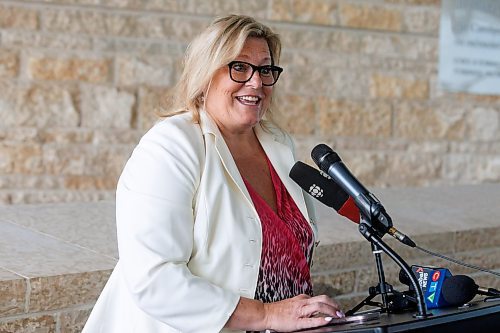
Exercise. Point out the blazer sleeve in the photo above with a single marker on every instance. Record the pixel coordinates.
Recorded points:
(154, 212)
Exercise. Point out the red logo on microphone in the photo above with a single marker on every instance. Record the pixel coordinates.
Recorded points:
(435, 276)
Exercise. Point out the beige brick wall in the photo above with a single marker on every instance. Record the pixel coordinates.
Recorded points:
(79, 80)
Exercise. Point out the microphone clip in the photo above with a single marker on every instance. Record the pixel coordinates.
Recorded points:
(379, 220)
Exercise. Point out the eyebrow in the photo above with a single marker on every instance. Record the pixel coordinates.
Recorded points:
(246, 59)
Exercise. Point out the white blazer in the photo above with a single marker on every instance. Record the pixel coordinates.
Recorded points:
(189, 237)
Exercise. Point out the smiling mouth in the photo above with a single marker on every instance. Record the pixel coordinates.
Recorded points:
(249, 100)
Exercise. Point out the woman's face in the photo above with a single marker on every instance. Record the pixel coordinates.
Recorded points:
(237, 107)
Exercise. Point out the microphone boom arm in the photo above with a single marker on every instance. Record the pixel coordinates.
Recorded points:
(371, 235)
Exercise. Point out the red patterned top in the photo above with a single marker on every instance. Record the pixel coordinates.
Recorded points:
(287, 242)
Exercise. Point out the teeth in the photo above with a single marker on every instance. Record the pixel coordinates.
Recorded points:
(252, 99)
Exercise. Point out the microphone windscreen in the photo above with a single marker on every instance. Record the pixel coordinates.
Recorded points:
(458, 289)
(318, 185)
(319, 151)
(324, 156)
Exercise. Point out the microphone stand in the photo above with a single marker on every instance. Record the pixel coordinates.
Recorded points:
(383, 288)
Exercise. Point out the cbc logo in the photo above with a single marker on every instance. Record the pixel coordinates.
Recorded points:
(316, 191)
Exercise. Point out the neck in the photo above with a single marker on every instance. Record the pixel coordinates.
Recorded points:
(241, 143)
(240, 140)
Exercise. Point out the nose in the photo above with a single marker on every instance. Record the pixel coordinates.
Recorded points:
(255, 81)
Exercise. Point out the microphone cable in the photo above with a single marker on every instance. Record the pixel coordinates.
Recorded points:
(458, 262)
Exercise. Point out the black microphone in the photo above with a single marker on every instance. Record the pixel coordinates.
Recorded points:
(460, 289)
(321, 186)
(443, 289)
(318, 185)
(369, 206)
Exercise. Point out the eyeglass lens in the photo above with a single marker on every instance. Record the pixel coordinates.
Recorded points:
(242, 72)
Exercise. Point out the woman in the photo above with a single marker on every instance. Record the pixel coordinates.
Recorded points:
(212, 234)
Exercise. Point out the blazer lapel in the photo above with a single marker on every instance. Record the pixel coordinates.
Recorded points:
(209, 127)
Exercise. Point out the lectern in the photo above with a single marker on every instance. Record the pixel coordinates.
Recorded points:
(478, 316)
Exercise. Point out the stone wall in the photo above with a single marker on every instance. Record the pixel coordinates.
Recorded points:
(80, 80)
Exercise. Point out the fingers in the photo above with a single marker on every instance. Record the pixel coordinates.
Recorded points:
(321, 306)
(300, 312)
(326, 300)
(313, 322)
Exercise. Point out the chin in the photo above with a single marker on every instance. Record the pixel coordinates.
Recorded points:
(251, 118)
(251, 123)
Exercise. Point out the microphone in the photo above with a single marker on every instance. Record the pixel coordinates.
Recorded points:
(369, 206)
(431, 281)
(460, 289)
(442, 289)
(321, 186)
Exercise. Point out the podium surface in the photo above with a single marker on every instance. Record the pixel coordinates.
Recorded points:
(479, 316)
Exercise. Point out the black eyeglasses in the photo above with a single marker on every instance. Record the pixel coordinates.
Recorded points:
(242, 72)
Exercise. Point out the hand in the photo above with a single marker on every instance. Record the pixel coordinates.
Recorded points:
(301, 312)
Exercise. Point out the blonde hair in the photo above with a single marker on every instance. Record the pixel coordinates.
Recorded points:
(220, 43)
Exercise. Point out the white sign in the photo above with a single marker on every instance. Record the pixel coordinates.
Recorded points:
(469, 46)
